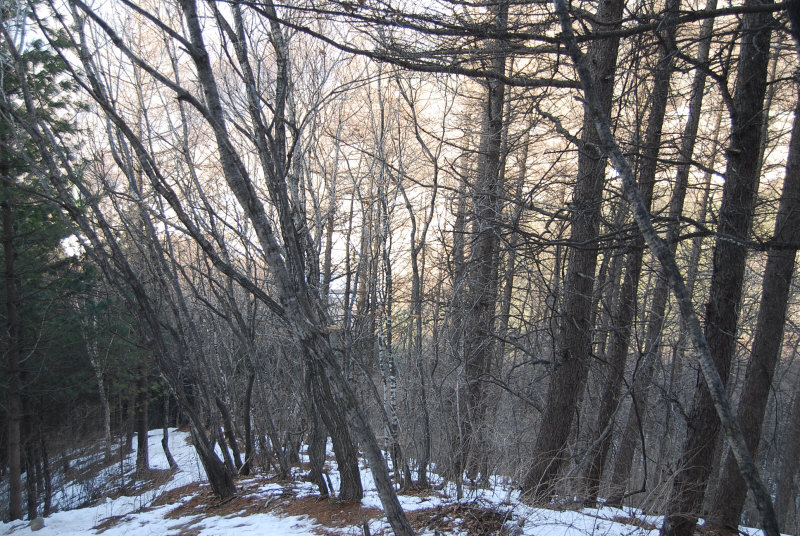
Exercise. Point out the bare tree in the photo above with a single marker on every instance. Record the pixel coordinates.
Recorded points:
(727, 504)
(572, 359)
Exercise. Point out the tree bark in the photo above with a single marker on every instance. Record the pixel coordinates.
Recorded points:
(227, 424)
(344, 449)
(317, 440)
(165, 435)
(142, 445)
(623, 324)
(575, 341)
(30, 480)
(48, 480)
(659, 248)
(14, 438)
(248, 426)
(655, 323)
(726, 507)
(735, 218)
(786, 492)
(482, 268)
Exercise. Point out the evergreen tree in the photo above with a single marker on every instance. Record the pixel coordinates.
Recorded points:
(46, 364)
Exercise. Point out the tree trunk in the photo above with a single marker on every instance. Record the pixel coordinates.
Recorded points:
(165, 435)
(129, 409)
(142, 449)
(344, 449)
(728, 502)
(481, 276)
(30, 480)
(227, 424)
(248, 426)
(14, 439)
(572, 359)
(786, 492)
(455, 317)
(48, 480)
(652, 344)
(716, 386)
(623, 324)
(220, 478)
(735, 217)
(226, 453)
(316, 441)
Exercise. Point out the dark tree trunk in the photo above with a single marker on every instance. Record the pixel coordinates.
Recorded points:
(786, 492)
(729, 500)
(482, 267)
(716, 386)
(282, 453)
(248, 426)
(219, 476)
(227, 423)
(129, 409)
(455, 316)
(30, 480)
(655, 324)
(623, 324)
(14, 438)
(722, 311)
(226, 453)
(316, 446)
(575, 340)
(48, 481)
(165, 435)
(142, 445)
(343, 447)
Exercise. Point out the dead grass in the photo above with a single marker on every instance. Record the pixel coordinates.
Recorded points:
(194, 502)
(109, 522)
(634, 521)
(331, 514)
(174, 495)
(415, 491)
(475, 520)
(715, 530)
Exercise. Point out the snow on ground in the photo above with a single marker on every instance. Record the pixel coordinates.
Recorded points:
(265, 507)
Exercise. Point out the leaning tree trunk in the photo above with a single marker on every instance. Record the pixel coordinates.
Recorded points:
(624, 458)
(229, 434)
(165, 436)
(344, 448)
(786, 492)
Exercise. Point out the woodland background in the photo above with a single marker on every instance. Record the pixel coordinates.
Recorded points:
(394, 224)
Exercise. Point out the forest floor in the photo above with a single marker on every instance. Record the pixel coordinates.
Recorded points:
(94, 498)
